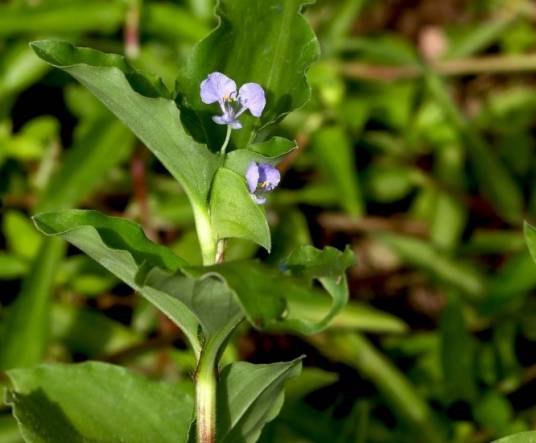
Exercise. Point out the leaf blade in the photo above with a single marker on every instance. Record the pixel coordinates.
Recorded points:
(250, 396)
(94, 401)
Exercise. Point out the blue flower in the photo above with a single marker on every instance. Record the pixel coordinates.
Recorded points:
(261, 178)
(219, 88)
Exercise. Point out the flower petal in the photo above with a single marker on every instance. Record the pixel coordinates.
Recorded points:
(216, 87)
(269, 175)
(251, 96)
(220, 120)
(252, 177)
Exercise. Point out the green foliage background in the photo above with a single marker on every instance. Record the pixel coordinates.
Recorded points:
(416, 149)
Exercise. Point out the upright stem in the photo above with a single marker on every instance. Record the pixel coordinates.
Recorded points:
(205, 234)
(206, 382)
(226, 141)
(205, 399)
(206, 374)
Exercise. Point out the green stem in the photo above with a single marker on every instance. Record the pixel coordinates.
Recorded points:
(206, 382)
(205, 234)
(226, 141)
(205, 398)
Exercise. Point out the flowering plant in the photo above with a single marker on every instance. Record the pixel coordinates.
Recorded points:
(227, 167)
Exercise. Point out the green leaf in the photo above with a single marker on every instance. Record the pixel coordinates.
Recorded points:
(521, 437)
(267, 296)
(335, 156)
(131, 97)
(9, 431)
(257, 288)
(311, 262)
(530, 237)
(116, 233)
(93, 402)
(267, 42)
(271, 151)
(250, 396)
(209, 299)
(234, 214)
(122, 248)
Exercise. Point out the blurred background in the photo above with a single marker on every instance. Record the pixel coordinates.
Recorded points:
(417, 149)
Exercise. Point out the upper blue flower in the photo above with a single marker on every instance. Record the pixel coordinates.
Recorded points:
(217, 87)
(261, 178)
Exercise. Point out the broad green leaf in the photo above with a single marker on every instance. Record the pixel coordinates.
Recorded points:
(234, 214)
(336, 157)
(153, 119)
(209, 299)
(311, 262)
(22, 239)
(257, 288)
(122, 248)
(93, 401)
(267, 296)
(521, 437)
(24, 335)
(530, 237)
(118, 233)
(9, 431)
(329, 267)
(267, 42)
(249, 396)
(271, 151)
